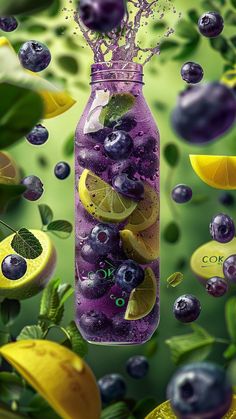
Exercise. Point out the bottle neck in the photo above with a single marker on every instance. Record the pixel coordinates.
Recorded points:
(108, 73)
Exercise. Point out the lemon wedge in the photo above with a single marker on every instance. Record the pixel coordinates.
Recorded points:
(143, 247)
(216, 171)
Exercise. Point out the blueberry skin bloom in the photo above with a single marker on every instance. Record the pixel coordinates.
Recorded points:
(38, 136)
(192, 72)
(34, 56)
(181, 194)
(229, 268)
(62, 170)
(137, 366)
(132, 188)
(211, 24)
(187, 308)
(101, 15)
(200, 390)
(222, 228)
(112, 388)
(129, 275)
(8, 23)
(118, 145)
(34, 187)
(216, 286)
(14, 267)
(104, 238)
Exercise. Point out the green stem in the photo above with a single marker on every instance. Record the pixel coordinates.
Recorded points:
(223, 341)
(7, 226)
(57, 327)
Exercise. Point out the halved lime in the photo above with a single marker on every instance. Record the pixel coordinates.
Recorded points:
(9, 172)
(143, 247)
(143, 298)
(102, 201)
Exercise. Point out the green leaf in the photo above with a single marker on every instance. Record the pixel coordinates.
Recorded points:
(143, 407)
(68, 148)
(11, 386)
(193, 15)
(31, 332)
(233, 2)
(10, 310)
(167, 45)
(46, 214)
(230, 352)
(118, 410)
(78, 344)
(230, 17)
(4, 338)
(68, 63)
(7, 414)
(172, 233)
(14, 7)
(175, 279)
(199, 199)
(222, 45)
(20, 111)
(60, 227)
(26, 244)
(185, 29)
(49, 303)
(9, 193)
(230, 317)
(151, 348)
(158, 26)
(118, 105)
(191, 347)
(171, 154)
(187, 49)
(39, 408)
(65, 291)
(212, 5)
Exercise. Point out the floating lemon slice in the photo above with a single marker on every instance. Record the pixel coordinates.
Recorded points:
(102, 201)
(143, 247)
(9, 172)
(229, 78)
(146, 212)
(143, 298)
(58, 375)
(216, 171)
(39, 270)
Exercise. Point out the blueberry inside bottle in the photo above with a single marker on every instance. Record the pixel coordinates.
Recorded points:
(117, 209)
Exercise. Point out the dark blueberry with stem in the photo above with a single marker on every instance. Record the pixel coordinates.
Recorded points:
(104, 239)
(38, 136)
(92, 159)
(200, 390)
(229, 268)
(192, 72)
(14, 267)
(129, 275)
(34, 56)
(211, 24)
(8, 23)
(94, 322)
(127, 186)
(137, 366)
(226, 199)
(34, 187)
(181, 194)
(62, 170)
(187, 308)
(112, 388)
(222, 228)
(120, 326)
(216, 286)
(101, 15)
(118, 145)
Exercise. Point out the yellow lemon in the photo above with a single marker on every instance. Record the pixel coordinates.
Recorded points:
(9, 172)
(229, 78)
(143, 247)
(216, 171)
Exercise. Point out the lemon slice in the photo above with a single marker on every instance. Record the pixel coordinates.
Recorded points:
(9, 172)
(146, 212)
(38, 272)
(143, 247)
(58, 375)
(143, 298)
(229, 78)
(216, 171)
(102, 201)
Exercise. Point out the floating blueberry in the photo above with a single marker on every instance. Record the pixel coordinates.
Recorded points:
(181, 194)
(14, 267)
(118, 145)
(187, 308)
(222, 228)
(92, 159)
(38, 136)
(34, 187)
(101, 15)
(132, 188)
(34, 56)
(8, 23)
(192, 72)
(227, 199)
(62, 170)
(216, 286)
(129, 275)
(211, 24)
(229, 268)
(104, 238)
(112, 388)
(94, 323)
(137, 366)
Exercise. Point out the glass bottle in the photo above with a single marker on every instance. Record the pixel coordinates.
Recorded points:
(117, 210)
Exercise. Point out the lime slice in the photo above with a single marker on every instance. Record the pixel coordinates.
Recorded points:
(102, 201)
(143, 298)
(39, 270)
(143, 247)
(146, 212)
(9, 172)
(216, 171)
(163, 411)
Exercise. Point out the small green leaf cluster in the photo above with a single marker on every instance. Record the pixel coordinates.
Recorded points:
(60, 228)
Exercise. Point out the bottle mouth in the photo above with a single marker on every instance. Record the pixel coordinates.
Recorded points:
(115, 71)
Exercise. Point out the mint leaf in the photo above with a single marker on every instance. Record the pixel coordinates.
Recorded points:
(11, 387)
(78, 344)
(175, 279)
(118, 105)
(171, 154)
(171, 232)
(9, 193)
(230, 317)
(191, 347)
(230, 352)
(64, 292)
(118, 410)
(61, 228)
(10, 309)
(31, 332)
(143, 407)
(46, 214)
(13, 7)
(50, 304)
(26, 244)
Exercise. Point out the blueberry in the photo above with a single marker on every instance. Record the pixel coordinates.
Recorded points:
(126, 123)
(181, 194)
(92, 159)
(62, 170)
(200, 390)
(217, 287)
(123, 166)
(137, 366)
(96, 286)
(192, 72)
(104, 238)
(129, 275)
(120, 326)
(143, 146)
(204, 112)
(8, 23)
(187, 308)
(14, 267)
(227, 199)
(34, 187)
(101, 15)
(222, 228)
(229, 268)
(94, 323)
(118, 145)
(38, 136)
(34, 56)
(88, 253)
(211, 24)
(112, 388)
(148, 167)
(99, 136)
(132, 188)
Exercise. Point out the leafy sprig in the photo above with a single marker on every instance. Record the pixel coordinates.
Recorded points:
(60, 228)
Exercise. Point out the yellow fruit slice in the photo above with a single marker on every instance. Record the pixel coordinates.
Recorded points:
(143, 247)
(143, 298)
(102, 201)
(216, 171)
(229, 78)
(58, 375)
(146, 212)
(9, 172)
(39, 270)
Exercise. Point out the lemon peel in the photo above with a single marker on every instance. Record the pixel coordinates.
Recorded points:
(216, 171)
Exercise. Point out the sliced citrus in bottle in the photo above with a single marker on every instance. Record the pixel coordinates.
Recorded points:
(216, 171)
(9, 172)
(38, 273)
(41, 361)
(143, 298)
(143, 247)
(102, 201)
(146, 212)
